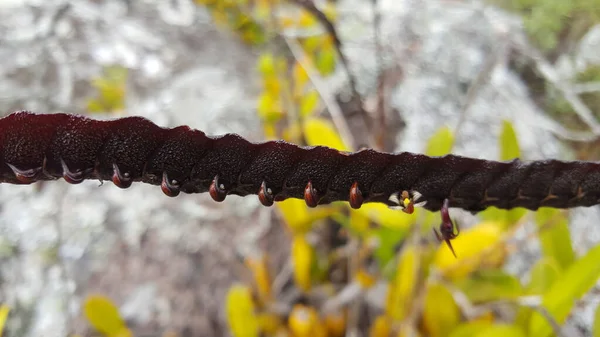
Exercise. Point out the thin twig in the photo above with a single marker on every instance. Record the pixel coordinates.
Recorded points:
(380, 113)
(546, 123)
(326, 95)
(584, 88)
(551, 75)
(310, 7)
(478, 83)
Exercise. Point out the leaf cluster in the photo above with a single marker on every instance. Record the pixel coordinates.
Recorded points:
(428, 292)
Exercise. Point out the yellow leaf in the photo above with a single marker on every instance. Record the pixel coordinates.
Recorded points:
(269, 108)
(302, 260)
(573, 283)
(359, 222)
(287, 22)
(336, 324)
(204, 2)
(103, 315)
(384, 216)
(317, 131)
(474, 247)
(326, 61)
(408, 330)
(501, 330)
(262, 278)
(241, 316)
(330, 11)
(470, 329)
(269, 323)
(440, 314)
(364, 278)
(440, 143)
(4, 310)
(269, 130)
(312, 43)
(309, 103)
(298, 217)
(300, 78)
(381, 327)
(266, 64)
(306, 19)
(401, 290)
(272, 86)
(303, 321)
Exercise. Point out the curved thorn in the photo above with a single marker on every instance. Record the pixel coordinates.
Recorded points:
(310, 195)
(122, 180)
(356, 197)
(217, 190)
(169, 187)
(265, 195)
(71, 177)
(25, 176)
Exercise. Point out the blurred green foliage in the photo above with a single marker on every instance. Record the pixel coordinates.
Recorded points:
(550, 23)
(110, 91)
(560, 107)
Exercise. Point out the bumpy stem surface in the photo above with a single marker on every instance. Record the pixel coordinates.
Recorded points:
(49, 146)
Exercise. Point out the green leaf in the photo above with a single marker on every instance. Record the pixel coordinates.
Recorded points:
(308, 103)
(491, 285)
(509, 145)
(596, 328)
(507, 217)
(388, 239)
(543, 274)
(502, 330)
(555, 236)
(440, 143)
(470, 329)
(487, 329)
(326, 60)
(571, 285)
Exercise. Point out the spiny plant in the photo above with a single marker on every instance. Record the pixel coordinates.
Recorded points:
(45, 147)
(427, 290)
